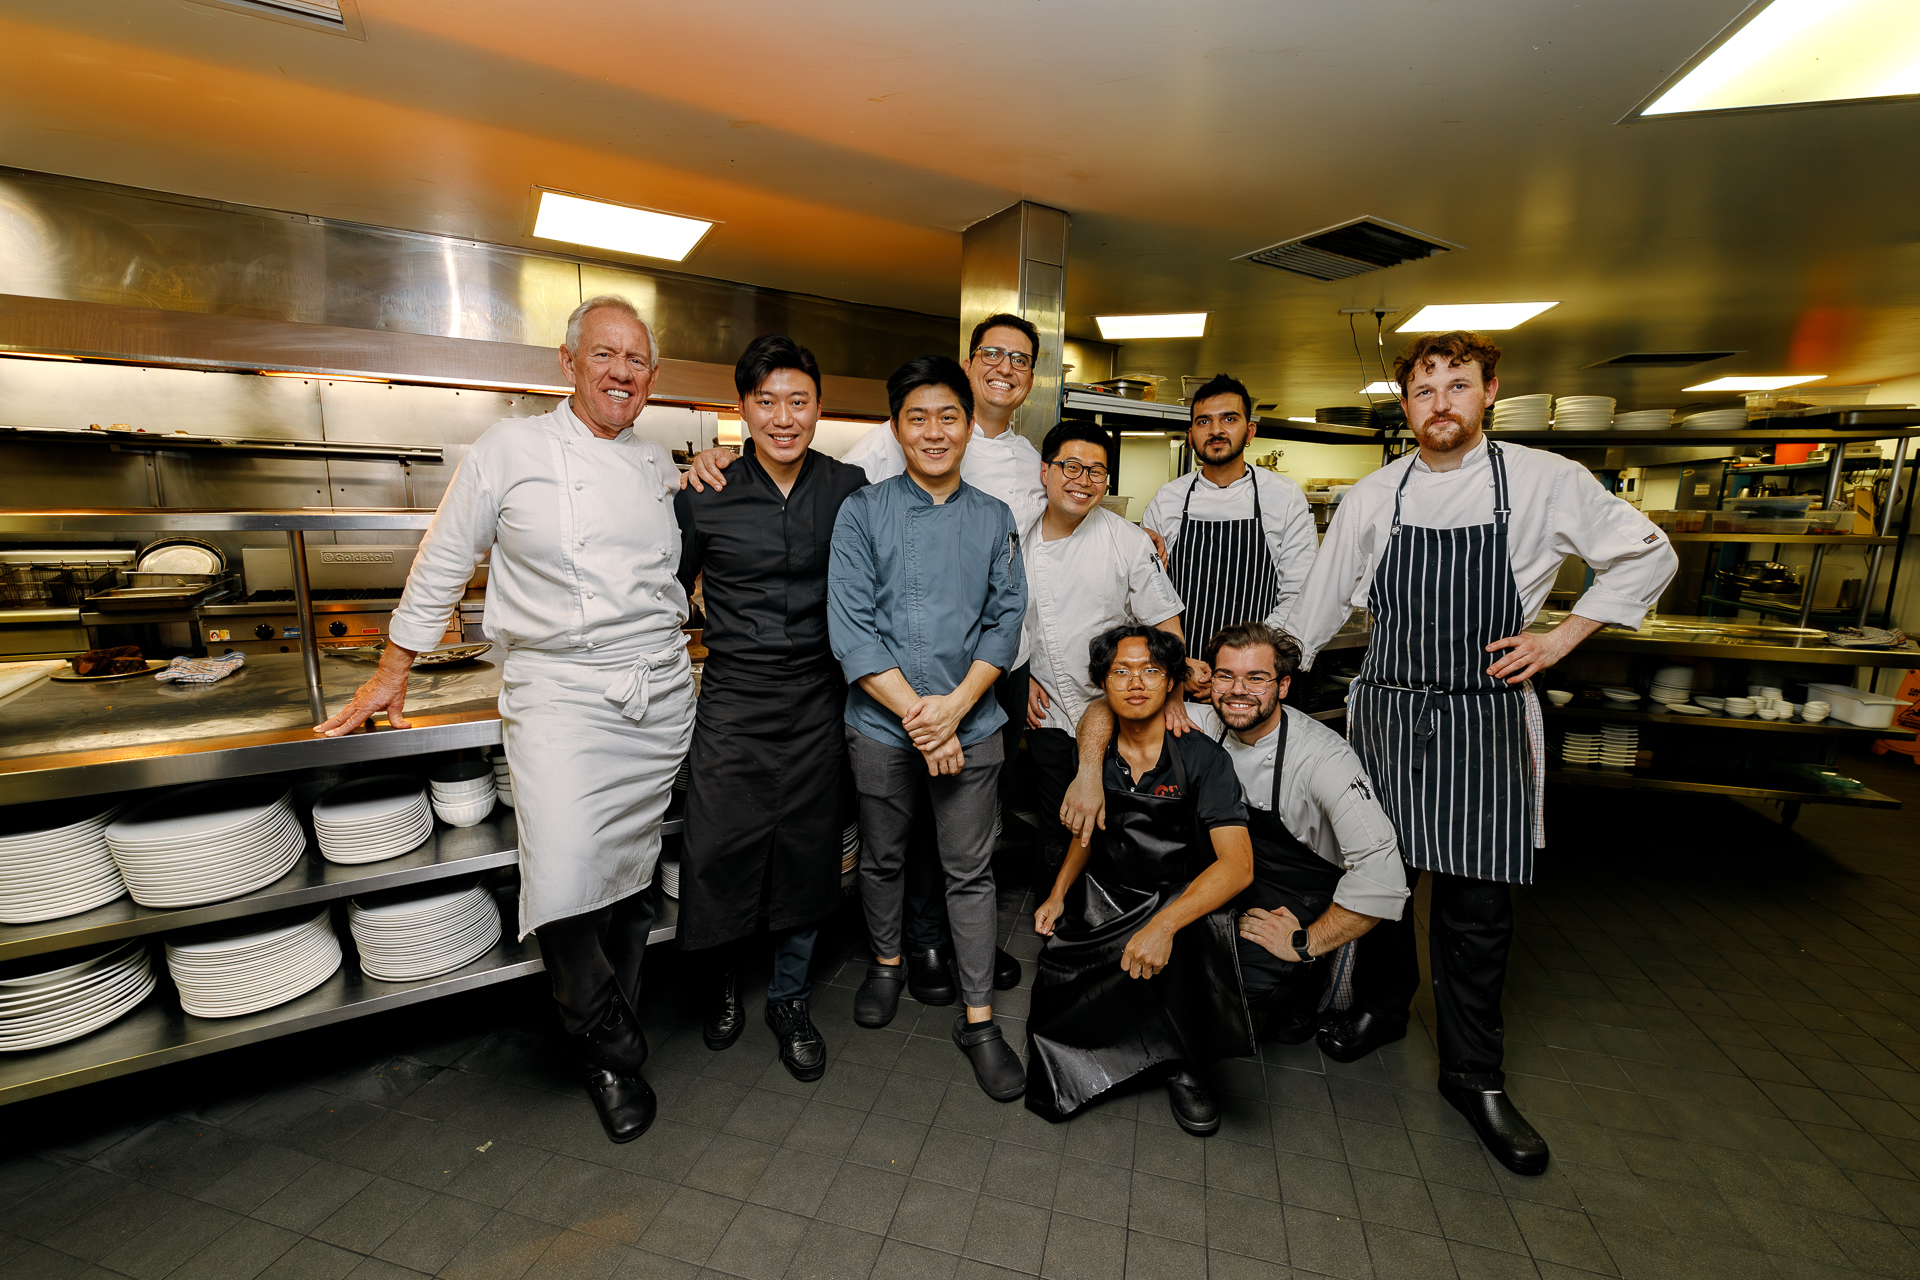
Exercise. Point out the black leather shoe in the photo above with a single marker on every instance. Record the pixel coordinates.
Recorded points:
(803, 1052)
(1192, 1104)
(1006, 971)
(727, 1018)
(1359, 1033)
(878, 998)
(625, 1103)
(1514, 1143)
(996, 1067)
(616, 1042)
(929, 978)
(1295, 1028)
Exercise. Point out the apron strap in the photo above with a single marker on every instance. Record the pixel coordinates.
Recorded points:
(1502, 508)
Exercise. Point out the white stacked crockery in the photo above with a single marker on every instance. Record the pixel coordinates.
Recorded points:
(1583, 413)
(1522, 413)
(850, 847)
(1715, 420)
(1644, 420)
(502, 781)
(1672, 684)
(1580, 748)
(372, 819)
(411, 934)
(54, 859)
(1619, 745)
(245, 966)
(48, 1000)
(463, 792)
(1813, 712)
(206, 842)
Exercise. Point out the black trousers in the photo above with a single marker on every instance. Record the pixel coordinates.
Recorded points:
(1470, 931)
(1056, 761)
(588, 954)
(1278, 986)
(926, 923)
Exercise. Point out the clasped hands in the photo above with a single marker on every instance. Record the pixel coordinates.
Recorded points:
(932, 724)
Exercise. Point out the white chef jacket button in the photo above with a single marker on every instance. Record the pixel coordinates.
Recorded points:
(589, 595)
(578, 485)
(579, 542)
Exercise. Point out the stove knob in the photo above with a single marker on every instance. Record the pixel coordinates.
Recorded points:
(263, 632)
(337, 628)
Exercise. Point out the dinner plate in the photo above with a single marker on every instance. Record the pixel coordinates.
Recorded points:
(74, 677)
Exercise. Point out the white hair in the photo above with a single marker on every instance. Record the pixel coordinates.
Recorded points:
(613, 302)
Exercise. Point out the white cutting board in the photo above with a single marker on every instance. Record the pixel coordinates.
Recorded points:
(18, 677)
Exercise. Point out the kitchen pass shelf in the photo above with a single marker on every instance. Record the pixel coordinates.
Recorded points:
(1795, 725)
(1646, 780)
(1823, 539)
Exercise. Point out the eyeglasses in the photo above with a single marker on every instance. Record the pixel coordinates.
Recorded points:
(1073, 469)
(994, 355)
(1256, 683)
(1150, 677)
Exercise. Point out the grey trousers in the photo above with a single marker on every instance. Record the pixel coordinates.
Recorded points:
(966, 817)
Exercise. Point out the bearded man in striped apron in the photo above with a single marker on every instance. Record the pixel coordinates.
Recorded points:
(1453, 549)
(1237, 540)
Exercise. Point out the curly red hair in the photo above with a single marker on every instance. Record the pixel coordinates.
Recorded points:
(1456, 348)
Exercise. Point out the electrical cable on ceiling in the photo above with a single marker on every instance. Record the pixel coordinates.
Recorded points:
(1364, 379)
(1380, 339)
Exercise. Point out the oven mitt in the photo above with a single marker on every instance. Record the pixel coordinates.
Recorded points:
(201, 670)
(1867, 638)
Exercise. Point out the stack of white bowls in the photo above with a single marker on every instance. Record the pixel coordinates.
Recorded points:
(1715, 420)
(372, 819)
(245, 966)
(206, 842)
(411, 934)
(54, 859)
(850, 847)
(1644, 420)
(1619, 745)
(1815, 712)
(48, 1000)
(1580, 748)
(1741, 707)
(502, 781)
(463, 792)
(1672, 684)
(1522, 413)
(1583, 413)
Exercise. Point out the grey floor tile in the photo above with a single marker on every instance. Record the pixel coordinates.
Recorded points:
(689, 1225)
(886, 1142)
(730, 1166)
(182, 1230)
(934, 1215)
(794, 1182)
(1007, 1233)
(1247, 1225)
(1473, 1262)
(1164, 1207)
(1168, 1152)
(830, 1252)
(375, 1212)
(312, 1260)
(122, 1213)
(1321, 1185)
(1392, 1200)
(312, 1197)
(900, 1260)
(1327, 1244)
(1559, 1235)
(862, 1198)
(1398, 1254)
(1082, 1249)
(576, 1255)
(954, 1157)
(1022, 1173)
(437, 1231)
(243, 1251)
(1157, 1258)
(1104, 1139)
(505, 1249)
(759, 1243)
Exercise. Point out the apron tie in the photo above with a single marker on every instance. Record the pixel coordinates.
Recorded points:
(632, 688)
(1425, 724)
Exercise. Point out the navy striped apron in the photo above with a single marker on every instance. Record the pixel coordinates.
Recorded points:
(1222, 571)
(1446, 744)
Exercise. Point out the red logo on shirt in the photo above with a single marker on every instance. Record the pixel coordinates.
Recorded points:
(1167, 789)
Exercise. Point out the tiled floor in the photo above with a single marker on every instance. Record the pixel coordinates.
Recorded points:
(1716, 1025)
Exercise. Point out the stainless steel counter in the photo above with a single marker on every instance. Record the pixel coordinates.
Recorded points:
(1697, 637)
(71, 739)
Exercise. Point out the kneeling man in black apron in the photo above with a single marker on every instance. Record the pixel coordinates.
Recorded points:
(1138, 975)
(1326, 863)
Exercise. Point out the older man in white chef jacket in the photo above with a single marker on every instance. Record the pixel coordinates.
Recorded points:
(597, 702)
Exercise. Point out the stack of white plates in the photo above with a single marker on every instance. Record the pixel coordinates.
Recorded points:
(502, 781)
(412, 934)
(1643, 420)
(684, 779)
(850, 847)
(245, 966)
(1522, 413)
(463, 791)
(206, 842)
(1715, 420)
(47, 1000)
(372, 819)
(1583, 413)
(54, 859)
(670, 877)
(1619, 745)
(1620, 699)
(1672, 684)
(1580, 748)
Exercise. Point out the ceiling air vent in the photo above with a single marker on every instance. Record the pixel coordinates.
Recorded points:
(1661, 359)
(1350, 249)
(337, 16)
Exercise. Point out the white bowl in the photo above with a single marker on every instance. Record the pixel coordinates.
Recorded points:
(1768, 713)
(1710, 702)
(1814, 704)
(463, 792)
(1559, 697)
(1814, 717)
(464, 815)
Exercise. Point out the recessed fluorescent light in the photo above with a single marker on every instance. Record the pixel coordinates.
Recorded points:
(1756, 384)
(1473, 315)
(1795, 52)
(1303, 419)
(622, 228)
(1375, 389)
(1190, 324)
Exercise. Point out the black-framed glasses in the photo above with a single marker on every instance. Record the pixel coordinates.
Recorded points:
(1073, 469)
(994, 355)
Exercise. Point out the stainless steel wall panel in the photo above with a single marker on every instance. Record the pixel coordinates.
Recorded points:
(1016, 261)
(50, 393)
(46, 475)
(389, 413)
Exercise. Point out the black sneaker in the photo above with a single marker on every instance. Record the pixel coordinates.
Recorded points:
(878, 998)
(803, 1052)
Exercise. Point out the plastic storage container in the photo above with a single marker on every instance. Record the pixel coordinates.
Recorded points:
(1839, 523)
(1856, 706)
(1760, 524)
(1775, 507)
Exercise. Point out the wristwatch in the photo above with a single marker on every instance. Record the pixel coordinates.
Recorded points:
(1299, 944)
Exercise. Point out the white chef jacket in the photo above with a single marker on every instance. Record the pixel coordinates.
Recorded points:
(1006, 466)
(1326, 803)
(1559, 510)
(1284, 516)
(1104, 574)
(582, 534)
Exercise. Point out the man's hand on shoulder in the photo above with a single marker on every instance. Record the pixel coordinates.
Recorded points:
(708, 468)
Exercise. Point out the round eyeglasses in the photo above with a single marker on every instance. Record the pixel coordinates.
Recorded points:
(994, 355)
(1149, 677)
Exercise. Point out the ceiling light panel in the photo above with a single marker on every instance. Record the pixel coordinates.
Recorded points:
(1379, 389)
(597, 224)
(1771, 382)
(1473, 315)
(1191, 324)
(1796, 52)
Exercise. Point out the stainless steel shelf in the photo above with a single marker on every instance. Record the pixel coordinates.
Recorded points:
(1696, 637)
(1823, 539)
(1639, 780)
(211, 520)
(232, 446)
(1795, 725)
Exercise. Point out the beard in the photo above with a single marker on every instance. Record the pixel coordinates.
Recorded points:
(1445, 431)
(1237, 719)
(1214, 453)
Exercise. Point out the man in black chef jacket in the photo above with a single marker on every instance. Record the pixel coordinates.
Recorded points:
(764, 828)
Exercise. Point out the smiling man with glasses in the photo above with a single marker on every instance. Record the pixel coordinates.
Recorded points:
(1088, 571)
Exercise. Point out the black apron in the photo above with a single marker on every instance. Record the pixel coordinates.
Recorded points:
(1091, 1027)
(1286, 870)
(764, 832)
(1446, 744)
(1222, 570)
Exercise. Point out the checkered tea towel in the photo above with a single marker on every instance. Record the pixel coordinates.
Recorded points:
(201, 670)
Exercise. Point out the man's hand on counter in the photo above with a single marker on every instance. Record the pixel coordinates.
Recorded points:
(386, 692)
(706, 469)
